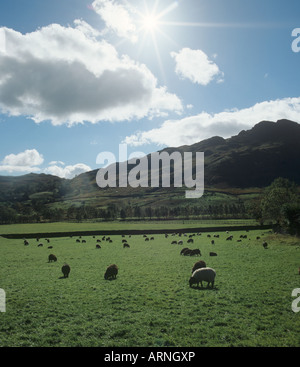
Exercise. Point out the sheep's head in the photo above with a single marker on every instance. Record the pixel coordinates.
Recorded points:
(192, 281)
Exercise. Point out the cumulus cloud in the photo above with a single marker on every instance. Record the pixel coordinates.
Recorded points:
(196, 66)
(27, 161)
(30, 161)
(67, 171)
(193, 129)
(118, 18)
(69, 75)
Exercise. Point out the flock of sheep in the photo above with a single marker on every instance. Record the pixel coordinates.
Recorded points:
(200, 272)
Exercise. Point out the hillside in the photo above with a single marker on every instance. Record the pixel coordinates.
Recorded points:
(235, 169)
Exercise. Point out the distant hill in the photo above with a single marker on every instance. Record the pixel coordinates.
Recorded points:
(251, 159)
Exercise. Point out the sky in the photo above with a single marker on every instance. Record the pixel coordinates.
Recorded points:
(81, 77)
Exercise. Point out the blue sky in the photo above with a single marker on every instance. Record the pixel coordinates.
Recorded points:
(80, 77)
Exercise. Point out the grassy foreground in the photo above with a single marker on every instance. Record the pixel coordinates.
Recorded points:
(150, 303)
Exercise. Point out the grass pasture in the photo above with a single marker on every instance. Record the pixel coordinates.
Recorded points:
(150, 304)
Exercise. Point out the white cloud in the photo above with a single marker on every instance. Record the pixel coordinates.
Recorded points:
(193, 129)
(118, 18)
(67, 75)
(196, 66)
(68, 172)
(27, 161)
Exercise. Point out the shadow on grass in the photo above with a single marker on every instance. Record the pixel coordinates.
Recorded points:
(205, 288)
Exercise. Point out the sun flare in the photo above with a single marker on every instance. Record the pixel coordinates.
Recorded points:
(150, 22)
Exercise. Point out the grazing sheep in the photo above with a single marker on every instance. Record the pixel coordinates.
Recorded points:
(26, 243)
(99, 241)
(146, 239)
(66, 270)
(77, 241)
(204, 274)
(83, 241)
(98, 246)
(50, 246)
(195, 252)
(111, 272)
(40, 245)
(199, 265)
(174, 243)
(229, 238)
(213, 254)
(212, 242)
(126, 245)
(190, 240)
(180, 242)
(187, 252)
(265, 245)
(183, 250)
(51, 258)
(151, 238)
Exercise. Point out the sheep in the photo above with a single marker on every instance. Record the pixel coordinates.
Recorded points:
(66, 270)
(98, 246)
(51, 258)
(265, 245)
(180, 242)
(187, 252)
(212, 242)
(213, 254)
(77, 241)
(126, 245)
(174, 243)
(111, 272)
(204, 274)
(198, 265)
(40, 245)
(190, 240)
(183, 250)
(195, 252)
(26, 243)
(50, 247)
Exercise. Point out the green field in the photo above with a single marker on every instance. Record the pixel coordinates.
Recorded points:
(119, 225)
(150, 303)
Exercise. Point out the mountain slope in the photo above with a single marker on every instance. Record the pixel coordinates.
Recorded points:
(253, 158)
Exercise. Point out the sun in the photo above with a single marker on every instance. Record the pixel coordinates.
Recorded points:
(150, 22)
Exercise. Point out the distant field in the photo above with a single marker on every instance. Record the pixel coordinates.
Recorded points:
(116, 225)
(150, 304)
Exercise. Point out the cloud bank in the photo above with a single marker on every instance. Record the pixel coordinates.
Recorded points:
(67, 75)
(30, 161)
(193, 129)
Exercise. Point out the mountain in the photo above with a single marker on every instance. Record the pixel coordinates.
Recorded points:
(251, 159)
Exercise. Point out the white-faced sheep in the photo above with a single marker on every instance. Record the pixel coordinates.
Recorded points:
(199, 265)
(203, 275)
(66, 270)
(111, 272)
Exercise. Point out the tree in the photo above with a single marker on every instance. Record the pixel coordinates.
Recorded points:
(281, 192)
